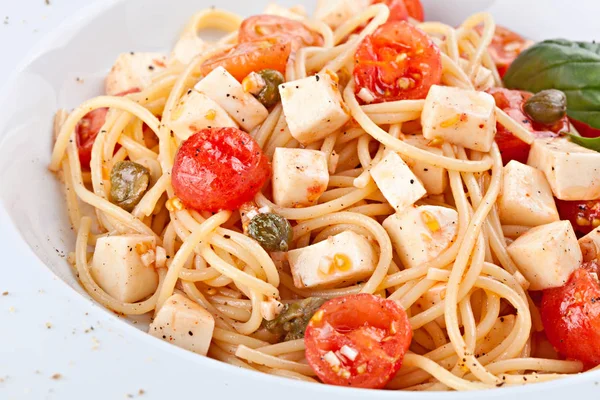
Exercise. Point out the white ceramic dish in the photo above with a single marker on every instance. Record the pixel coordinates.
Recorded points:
(35, 234)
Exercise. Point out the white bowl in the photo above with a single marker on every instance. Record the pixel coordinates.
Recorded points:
(32, 212)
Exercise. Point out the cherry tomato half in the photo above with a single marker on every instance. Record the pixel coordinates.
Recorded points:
(415, 9)
(247, 57)
(571, 316)
(357, 340)
(505, 47)
(265, 26)
(397, 62)
(511, 147)
(219, 169)
(88, 128)
(584, 215)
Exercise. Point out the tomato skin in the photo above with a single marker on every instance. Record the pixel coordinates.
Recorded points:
(398, 10)
(219, 169)
(87, 130)
(511, 147)
(584, 129)
(259, 27)
(415, 9)
(247, 57)
(505, 47)
(364, 323)
(581, 214)
(571, 316)
(397, 51)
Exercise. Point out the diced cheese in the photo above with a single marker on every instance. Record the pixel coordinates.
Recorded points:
(335, 12)
(547, 254)
(296, 13)
(420, 234)
(590, 245)
(572, 170)
(434, 179)
(463, 117)
(526, 197)
(300, 176)
(398, 184)
(351, 254)
(226, 91)
(187, 47)
(270, 309)
(118, 269)
(133, 70)
(196, 111)
(313, 107)
(184, 323)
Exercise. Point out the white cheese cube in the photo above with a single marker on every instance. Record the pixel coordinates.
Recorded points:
(300, 177)
(313, 107)
(547, 254)
(572, 171)
(434, 179)
(184, 323)
(187, 47)
(526, 197)
(463, 117)
(397, 182)
(590, 245)
(196, 111)
(296, 13)
(420, 234)
(118, 269)
(335, 12)
(226, 91)
(351, 256)
(133, 70)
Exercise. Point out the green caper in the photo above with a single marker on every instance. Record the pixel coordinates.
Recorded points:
(271, 231)
(269, 94)
(128, 183)
(292, 321)
(547, 107)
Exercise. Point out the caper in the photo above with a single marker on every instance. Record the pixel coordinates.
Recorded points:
(271, 231)
(547, 107)
(292, 321)
(128, 183)
(269, 94)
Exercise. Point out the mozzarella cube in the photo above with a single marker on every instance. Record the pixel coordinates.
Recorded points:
(350, 258)
(590, 245)
(420, 234)
(335, 12)
(434, 179)
(196, 111)
(297, 13)
(184, 323)
(398, 184)
(313, 107)
(226, 91)
(547, 254)
(572, 171)
(133, 71)
(463, 117)
(187, 47)
(117, 267)
(300, 177)
(526, 197)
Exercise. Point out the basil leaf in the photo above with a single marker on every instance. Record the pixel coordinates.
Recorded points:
(572, 67)
(588, 143)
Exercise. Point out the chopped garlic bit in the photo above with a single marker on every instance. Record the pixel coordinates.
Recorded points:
(344, 373)
(361, 369)
(332, 359)
(161, 257)
(349, 352)
(366, 95)
(270, 309)
(148, 258)
(253, 83)
(174, 204)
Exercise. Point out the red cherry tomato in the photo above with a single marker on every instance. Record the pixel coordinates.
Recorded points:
(511, 102)
(87, 129)
(398, 10)
(397, 62)
(376, 329)
(415, 9)
(571, 316)
(584, 129)
(260, 27)
(247, 57)
(505, 47)
(219, 169)
(584, 215)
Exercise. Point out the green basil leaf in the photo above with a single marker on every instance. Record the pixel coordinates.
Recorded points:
(588, 143)
(572, 67)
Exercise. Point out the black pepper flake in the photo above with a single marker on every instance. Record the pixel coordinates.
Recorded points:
(190, 333)
(227, 236)
(317, 78)
(151, 67)
(412, 181)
